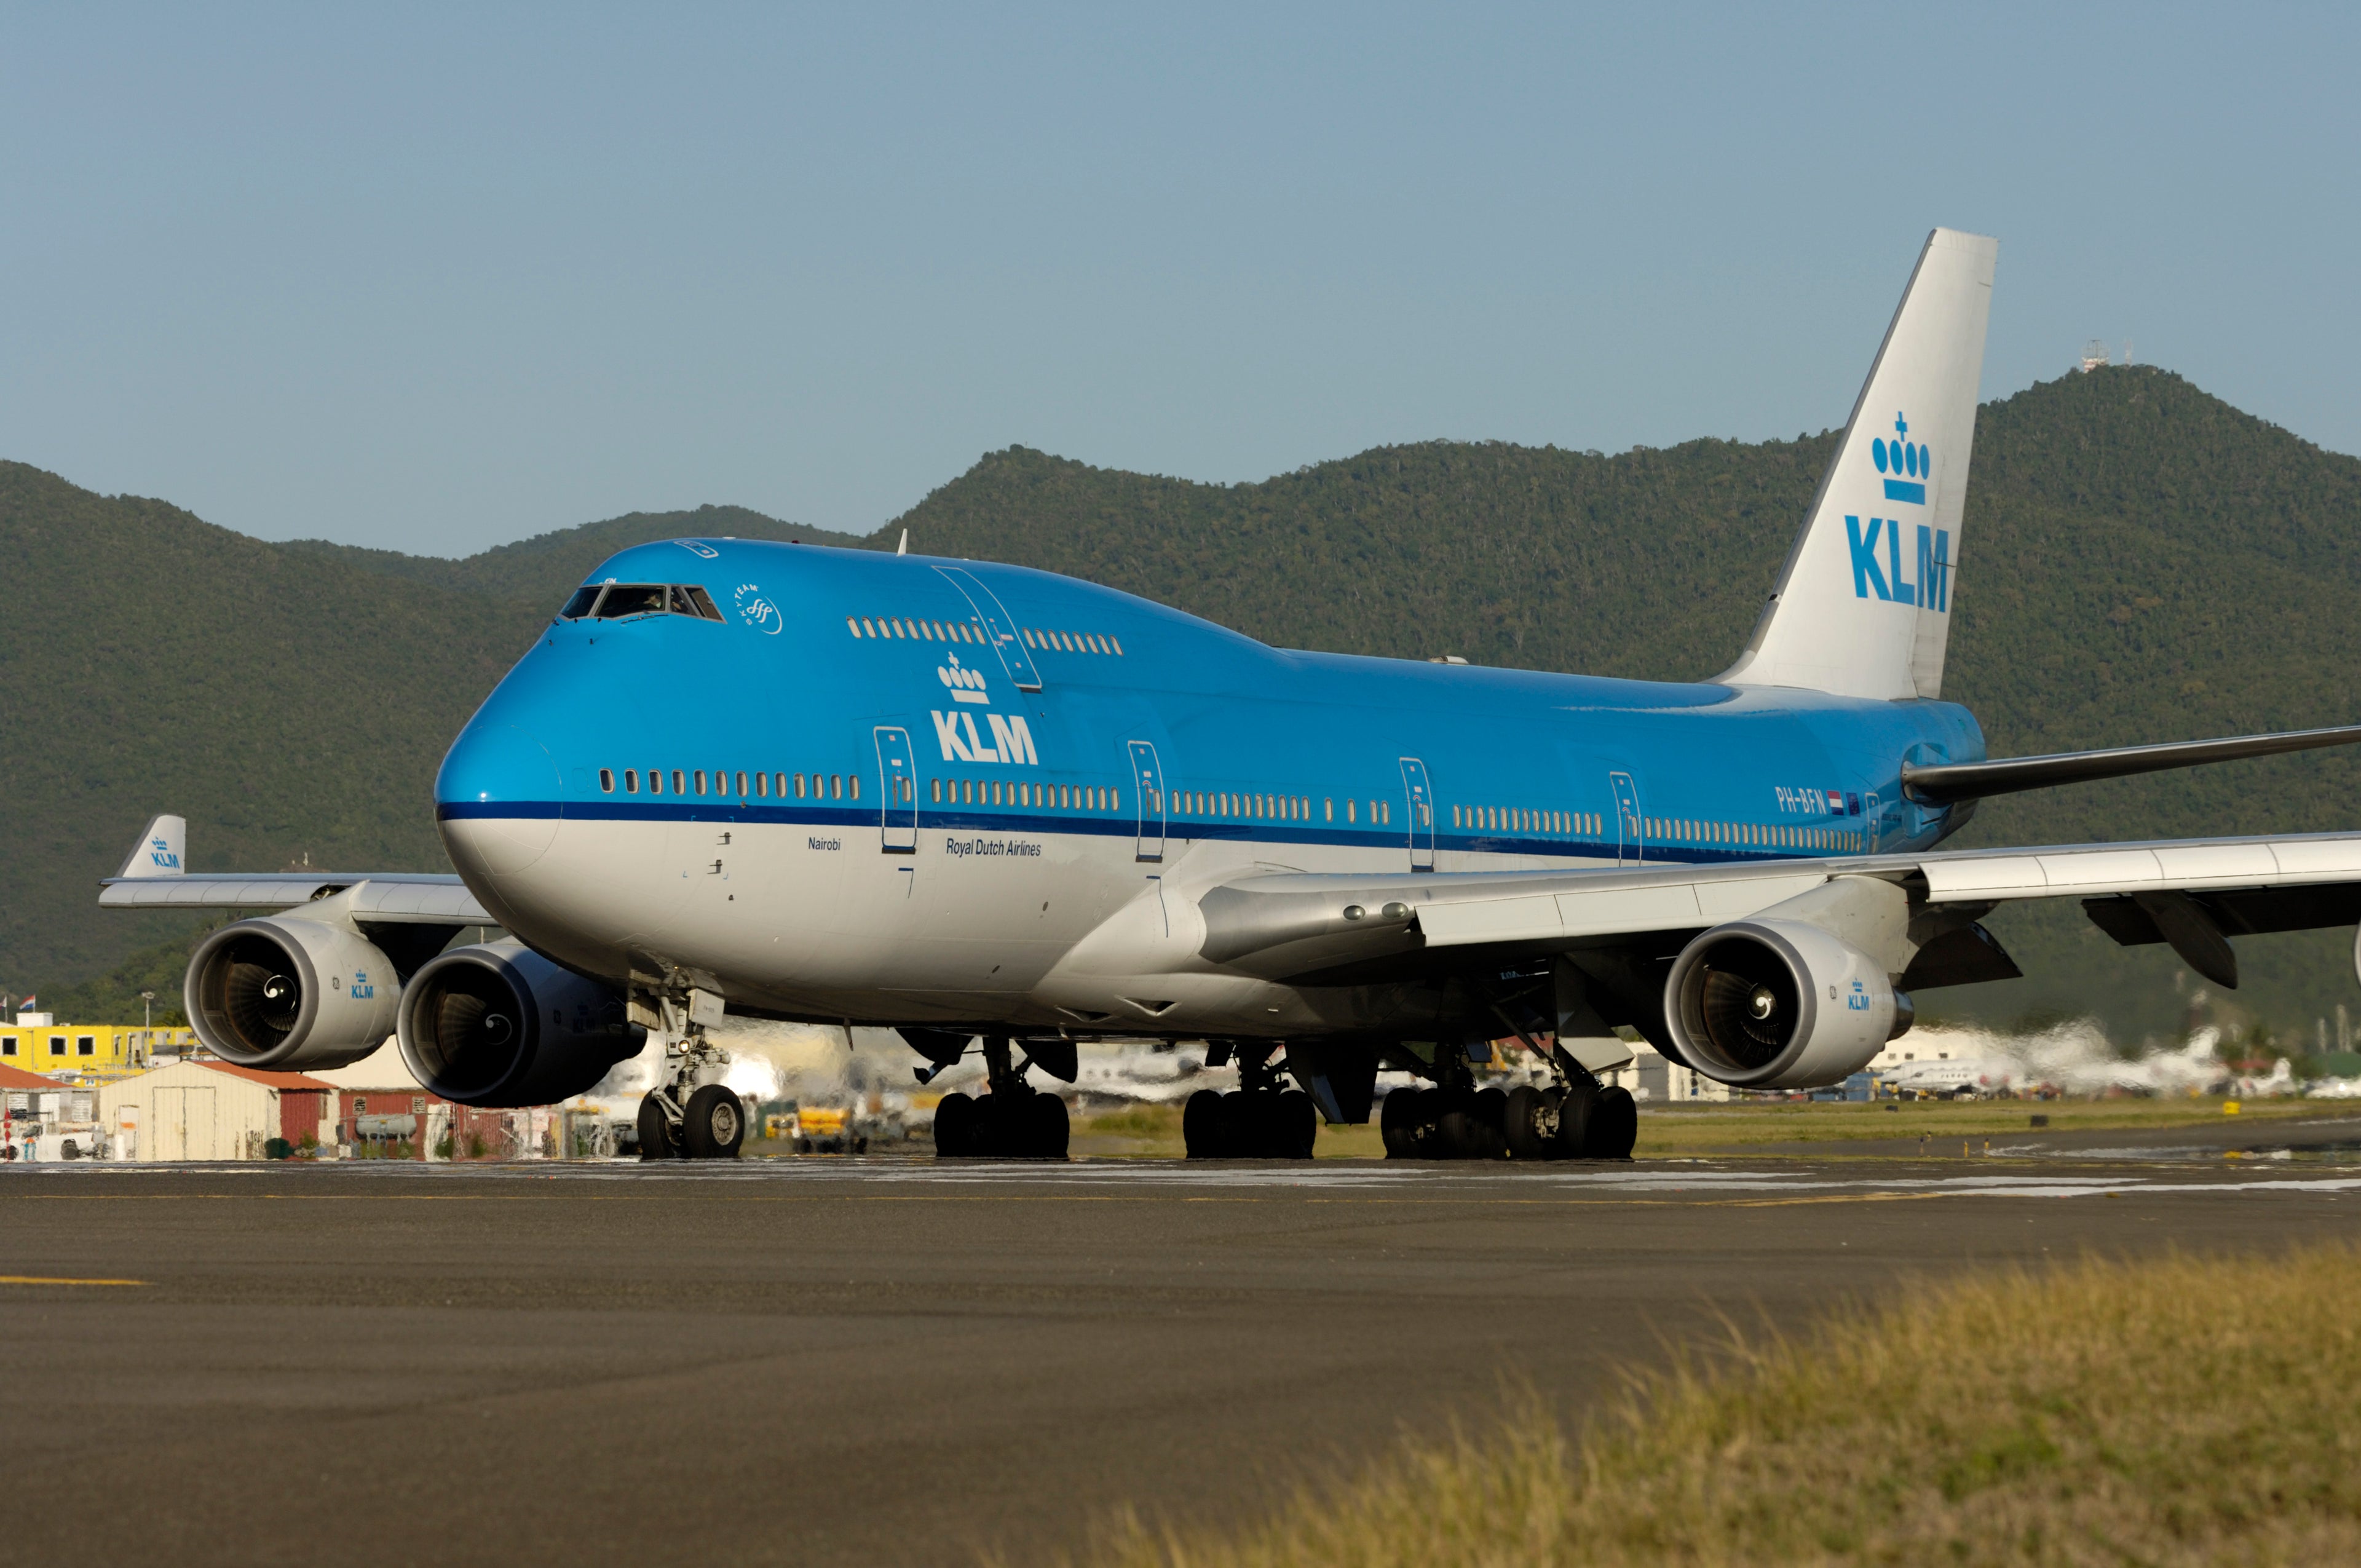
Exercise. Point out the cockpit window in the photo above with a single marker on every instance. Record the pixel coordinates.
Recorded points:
(631, 599)
(613, 601)
(687, 598)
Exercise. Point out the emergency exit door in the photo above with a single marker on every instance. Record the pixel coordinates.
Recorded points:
(1421, 802)
(898, 792)
(1628, 844)
(1147, 788)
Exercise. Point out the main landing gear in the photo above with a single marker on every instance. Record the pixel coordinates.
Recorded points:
(682, 1119)
(1015, 1121)
(1574, 1118)
(1258, 1120)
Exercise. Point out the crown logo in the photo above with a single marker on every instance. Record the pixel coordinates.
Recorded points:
(1906, 464)
(966, 685)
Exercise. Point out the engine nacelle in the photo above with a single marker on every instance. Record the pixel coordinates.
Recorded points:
(1773, 1004)
(291, 994)
(499, 1025)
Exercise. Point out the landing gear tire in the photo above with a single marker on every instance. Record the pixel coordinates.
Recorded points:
(657, 1139)
(1521, 1123)
(715, 1123)
(1574, 1109)
(955, 1127)
(1295, 1126)
(1490, 1116)
(1204, 1125)
(1046, 1127)
(1398, 1123)
(1614, 1126)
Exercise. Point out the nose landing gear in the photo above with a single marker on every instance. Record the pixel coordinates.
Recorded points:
(680, 1118)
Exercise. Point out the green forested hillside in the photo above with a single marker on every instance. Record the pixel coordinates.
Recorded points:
(545, 568)
(2139, 562)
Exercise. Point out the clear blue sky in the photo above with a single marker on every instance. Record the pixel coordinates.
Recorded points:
(435, 279)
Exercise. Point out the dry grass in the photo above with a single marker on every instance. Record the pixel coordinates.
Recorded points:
(2178, 1411)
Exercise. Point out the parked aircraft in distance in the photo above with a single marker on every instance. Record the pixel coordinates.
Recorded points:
(976, 802)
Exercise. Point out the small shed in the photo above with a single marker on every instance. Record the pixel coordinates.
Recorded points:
(211, 1109)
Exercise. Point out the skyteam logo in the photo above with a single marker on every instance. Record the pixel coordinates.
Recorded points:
(758, 611)
(1903, 458)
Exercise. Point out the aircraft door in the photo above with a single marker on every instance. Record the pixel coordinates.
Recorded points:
(1628, 844)
(1420, 802)
(999, 628)
(898, 792)
(1147, 789)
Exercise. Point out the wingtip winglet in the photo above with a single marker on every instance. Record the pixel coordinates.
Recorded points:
(161, 850)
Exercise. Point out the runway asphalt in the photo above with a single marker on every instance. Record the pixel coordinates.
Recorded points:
(889, 1360)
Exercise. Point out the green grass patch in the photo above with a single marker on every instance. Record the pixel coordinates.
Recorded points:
(1759, 1126)
(2172, 1411)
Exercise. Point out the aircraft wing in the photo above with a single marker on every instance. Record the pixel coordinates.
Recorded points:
(155, 877)
(2189, 892)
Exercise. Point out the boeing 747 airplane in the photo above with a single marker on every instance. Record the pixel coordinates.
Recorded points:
(998, 809)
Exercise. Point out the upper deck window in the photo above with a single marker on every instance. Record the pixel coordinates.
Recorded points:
(613, 601)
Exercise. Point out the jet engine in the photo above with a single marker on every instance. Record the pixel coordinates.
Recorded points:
(1772, 1003)
(291, 994)
(500, 1025)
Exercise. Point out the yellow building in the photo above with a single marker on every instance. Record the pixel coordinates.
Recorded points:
(37, 1043)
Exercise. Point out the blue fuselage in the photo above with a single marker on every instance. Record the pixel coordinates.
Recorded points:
(1029, 710)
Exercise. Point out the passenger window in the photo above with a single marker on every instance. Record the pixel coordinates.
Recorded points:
(1116, 643)
(741, 786)
(655, 780)
(631, 599)
(762, 784)
(852, 625)
(630, 781)
(799, 786)
(836, 786)
(852, 786)
(605, 781)
(579, 605)
(680, 784)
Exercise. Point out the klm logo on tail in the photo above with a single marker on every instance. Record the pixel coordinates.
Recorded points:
(162, 853)
(1908, 467)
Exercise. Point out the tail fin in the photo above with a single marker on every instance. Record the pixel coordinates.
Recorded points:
(1863, 605)
(158, 852)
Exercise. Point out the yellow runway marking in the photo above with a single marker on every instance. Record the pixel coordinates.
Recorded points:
(44, 1279)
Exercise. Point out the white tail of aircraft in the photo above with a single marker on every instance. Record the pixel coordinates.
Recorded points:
(1863, 605)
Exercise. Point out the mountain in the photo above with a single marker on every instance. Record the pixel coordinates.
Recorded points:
(544, 569)
(2140, 560)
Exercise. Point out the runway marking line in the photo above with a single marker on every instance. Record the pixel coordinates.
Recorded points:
(44, 1279)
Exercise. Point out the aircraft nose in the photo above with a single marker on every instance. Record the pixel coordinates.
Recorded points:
(496, 800)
